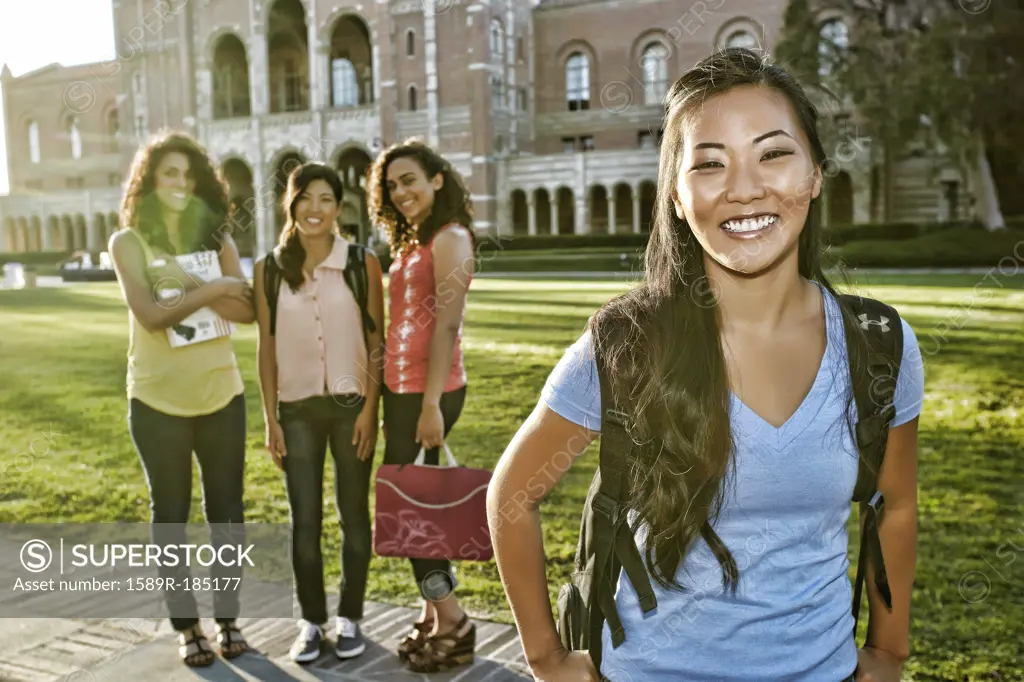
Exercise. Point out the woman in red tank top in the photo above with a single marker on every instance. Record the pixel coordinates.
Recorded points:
(423, 205)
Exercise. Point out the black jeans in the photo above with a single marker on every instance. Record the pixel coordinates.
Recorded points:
(165, 444)
(434, 577)
(309, 426)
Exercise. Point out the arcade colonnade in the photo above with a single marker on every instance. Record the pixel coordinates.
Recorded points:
(621, 208)
(43, 231)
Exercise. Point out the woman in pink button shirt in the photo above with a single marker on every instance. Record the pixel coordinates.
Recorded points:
(321, 385)
(423, 205)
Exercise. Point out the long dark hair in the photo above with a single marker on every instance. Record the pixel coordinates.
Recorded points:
(289, 252)
(451, 202)
(661, 340)
(204, 220)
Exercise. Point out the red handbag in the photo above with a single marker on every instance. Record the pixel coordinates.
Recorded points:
(432, 512)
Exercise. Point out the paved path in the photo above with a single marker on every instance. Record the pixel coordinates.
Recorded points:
(93, 650)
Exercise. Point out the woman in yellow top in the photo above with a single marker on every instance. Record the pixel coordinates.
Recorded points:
(184, 398)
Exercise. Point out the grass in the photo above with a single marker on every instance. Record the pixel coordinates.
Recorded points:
(62, 359)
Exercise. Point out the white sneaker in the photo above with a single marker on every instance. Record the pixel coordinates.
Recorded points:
(306, 646)
(350, 640)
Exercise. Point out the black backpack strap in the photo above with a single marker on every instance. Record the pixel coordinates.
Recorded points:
(359, 281)
(615, 549)
(874, 392)
(271, 284)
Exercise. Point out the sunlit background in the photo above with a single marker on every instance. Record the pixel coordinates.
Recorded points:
(41, 32)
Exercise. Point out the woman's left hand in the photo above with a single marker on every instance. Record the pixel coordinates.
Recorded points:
(430, 427)
(364, 435)
(875, 665)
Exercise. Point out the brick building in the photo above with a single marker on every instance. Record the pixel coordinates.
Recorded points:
(550, 109)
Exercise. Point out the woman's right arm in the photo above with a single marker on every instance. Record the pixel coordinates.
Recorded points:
(539, 455)
(266, 350)
(142, 298)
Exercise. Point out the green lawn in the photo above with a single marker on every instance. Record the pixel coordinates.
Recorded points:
(62, 359)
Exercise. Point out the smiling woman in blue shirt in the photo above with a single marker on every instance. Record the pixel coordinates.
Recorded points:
(732, 361)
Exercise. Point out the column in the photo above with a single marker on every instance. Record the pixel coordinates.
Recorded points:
(531, 213)
(430, 52)
(611, 211)
(636, 209)
(317, 63)
(259, 76)
(556, 214)
(510, 70)
(582, 224)
(264, 198)
(204, 92)
(256, 51)
(93, 237)
(375, 60)
(48, 244)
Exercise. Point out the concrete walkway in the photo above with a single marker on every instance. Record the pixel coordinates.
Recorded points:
(93, 650)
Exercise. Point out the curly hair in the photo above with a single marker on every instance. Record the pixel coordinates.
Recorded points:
(205, 219)
(451, 202)
(290, 254)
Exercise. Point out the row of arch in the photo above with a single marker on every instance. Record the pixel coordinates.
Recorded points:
(350, 65)
(75, 233)
(621, 208)
(64, 232)
(618, 209)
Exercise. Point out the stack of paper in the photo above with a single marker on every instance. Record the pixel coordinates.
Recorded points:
(204, 324)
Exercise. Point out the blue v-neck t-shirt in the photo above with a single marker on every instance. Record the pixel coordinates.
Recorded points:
(783, 518)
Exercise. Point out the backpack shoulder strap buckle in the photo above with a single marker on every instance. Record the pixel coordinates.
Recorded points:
(608, 506)
(616, 417)
(877, 502)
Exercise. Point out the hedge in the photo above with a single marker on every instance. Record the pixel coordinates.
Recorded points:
(53, 258)
(543, 242)
(835, 235)
(950, 248)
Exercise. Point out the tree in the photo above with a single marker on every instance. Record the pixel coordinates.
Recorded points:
(931, 73)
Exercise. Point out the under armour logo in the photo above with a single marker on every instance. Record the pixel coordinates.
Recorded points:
(865, 323)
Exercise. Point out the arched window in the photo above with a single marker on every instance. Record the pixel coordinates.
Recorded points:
(346, 85)
(742, 38)
(577, 81)
(833, 40)
(33, 141)
(497, 41)
(75, 137)
(412, 98)
(113, 128)
(655, 67)
(410, 43)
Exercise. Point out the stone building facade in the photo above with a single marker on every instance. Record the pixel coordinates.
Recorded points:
(551, 110)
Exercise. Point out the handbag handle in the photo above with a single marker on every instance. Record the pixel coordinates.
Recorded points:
(420, 458)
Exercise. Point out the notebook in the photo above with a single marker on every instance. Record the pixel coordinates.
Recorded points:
(204, 324)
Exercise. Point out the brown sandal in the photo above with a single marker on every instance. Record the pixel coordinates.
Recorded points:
(232, 642)
(446, 650)
(415, 640)
(193, 649)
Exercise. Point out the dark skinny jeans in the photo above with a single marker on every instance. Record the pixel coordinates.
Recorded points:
(165, 444)
(309, 426)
